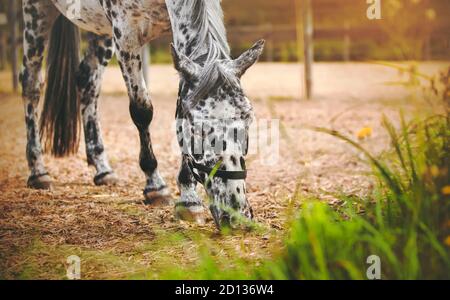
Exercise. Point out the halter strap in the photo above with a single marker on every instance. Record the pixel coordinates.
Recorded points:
(229, 175)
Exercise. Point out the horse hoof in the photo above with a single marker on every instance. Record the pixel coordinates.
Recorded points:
(195, 214)
(158, 198)
(40, 182)
(108, 179)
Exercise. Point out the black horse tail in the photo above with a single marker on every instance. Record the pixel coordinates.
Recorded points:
(60, 118)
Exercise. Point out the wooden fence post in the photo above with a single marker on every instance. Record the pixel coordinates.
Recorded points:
(3, 40)
(300, 39)
(347, 42)
(12, 15)
(269, 42)
(308, 30)
(3, 50)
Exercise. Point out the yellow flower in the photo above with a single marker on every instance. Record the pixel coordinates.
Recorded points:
(364, 133)
(446, 190)
(430, 14)
(434, 171)
(447, 241)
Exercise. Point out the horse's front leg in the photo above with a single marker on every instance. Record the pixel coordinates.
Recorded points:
(89, 79)
(156, 191)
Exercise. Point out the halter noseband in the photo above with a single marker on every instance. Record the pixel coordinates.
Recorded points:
(229, 175)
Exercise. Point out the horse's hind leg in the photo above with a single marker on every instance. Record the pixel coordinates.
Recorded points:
(38, 19)
(89, 80)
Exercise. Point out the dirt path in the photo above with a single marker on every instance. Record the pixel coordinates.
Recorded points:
(76, 213)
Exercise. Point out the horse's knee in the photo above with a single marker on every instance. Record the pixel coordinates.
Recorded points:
(91, 68)
(141, 113)
(31, 83)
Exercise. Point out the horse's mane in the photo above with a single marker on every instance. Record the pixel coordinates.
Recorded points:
(207, 21)
(209, 48)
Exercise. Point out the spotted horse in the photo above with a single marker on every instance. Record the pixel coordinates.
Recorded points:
(210, 94)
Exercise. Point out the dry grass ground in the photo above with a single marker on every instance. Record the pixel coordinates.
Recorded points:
(117, 236)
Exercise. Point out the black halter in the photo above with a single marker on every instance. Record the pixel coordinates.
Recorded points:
(229, 175)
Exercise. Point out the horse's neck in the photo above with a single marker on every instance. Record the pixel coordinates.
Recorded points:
(198, 29)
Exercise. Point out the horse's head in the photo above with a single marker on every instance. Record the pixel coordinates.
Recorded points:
(214, 117)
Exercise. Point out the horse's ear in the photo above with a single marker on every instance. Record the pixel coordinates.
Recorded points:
(184, 65)
(248, 58)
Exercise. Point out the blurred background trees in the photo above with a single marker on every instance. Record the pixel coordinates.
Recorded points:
(409, 30)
